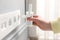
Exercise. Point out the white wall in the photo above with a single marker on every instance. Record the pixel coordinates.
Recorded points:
(11, 5)
(48, 10)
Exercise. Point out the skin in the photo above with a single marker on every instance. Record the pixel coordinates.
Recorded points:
(41, 24)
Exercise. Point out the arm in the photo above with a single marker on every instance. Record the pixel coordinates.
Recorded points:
(41, 24)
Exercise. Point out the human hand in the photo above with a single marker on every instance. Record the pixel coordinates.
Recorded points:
(34, 19)
(31, 19)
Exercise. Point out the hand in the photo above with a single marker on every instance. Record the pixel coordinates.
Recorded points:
(34, 19)
(41, 24)
(31, 19)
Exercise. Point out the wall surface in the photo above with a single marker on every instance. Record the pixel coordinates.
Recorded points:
(11, 5)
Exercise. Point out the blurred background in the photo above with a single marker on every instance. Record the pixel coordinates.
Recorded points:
(13, 23)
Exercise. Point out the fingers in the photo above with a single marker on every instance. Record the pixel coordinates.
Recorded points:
(30, 19)
(33, 20)
(35, 16)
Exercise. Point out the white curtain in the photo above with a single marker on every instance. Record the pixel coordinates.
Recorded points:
(48, 10)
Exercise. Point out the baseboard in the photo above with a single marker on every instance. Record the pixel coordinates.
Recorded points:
(33, 38)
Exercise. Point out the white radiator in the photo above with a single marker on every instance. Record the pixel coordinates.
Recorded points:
(11, 27)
